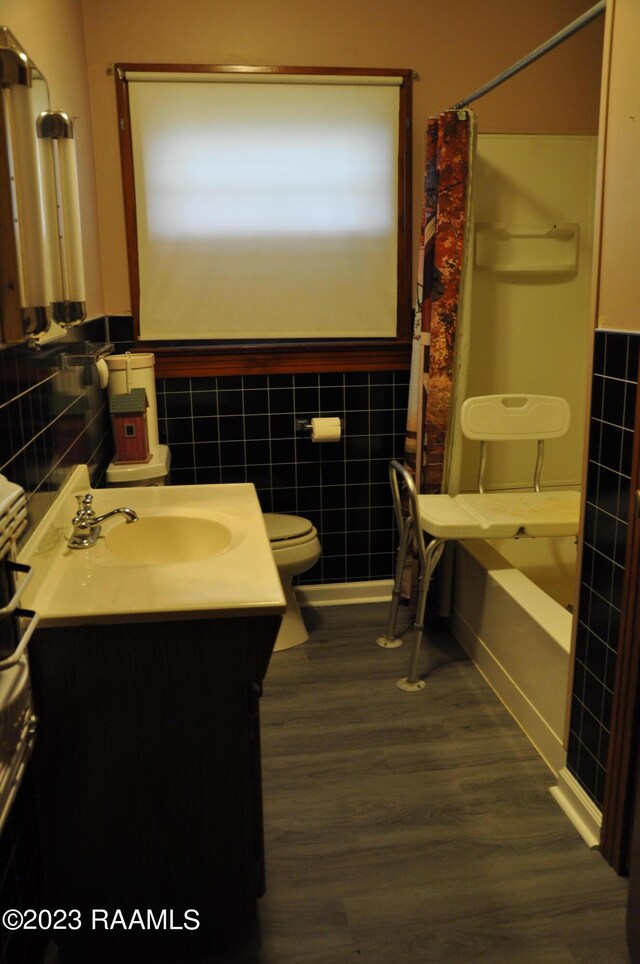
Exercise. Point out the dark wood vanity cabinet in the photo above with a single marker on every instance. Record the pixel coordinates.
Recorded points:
(147, 775)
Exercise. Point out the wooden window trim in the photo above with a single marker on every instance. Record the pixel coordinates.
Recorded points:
(235, 358)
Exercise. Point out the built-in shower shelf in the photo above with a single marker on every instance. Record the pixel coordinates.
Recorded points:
(527, 248)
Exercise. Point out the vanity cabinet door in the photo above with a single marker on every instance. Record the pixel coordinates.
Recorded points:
(147, 770)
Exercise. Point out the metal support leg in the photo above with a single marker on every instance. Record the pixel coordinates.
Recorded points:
(405, 522)
(411, 683)
(390, 640)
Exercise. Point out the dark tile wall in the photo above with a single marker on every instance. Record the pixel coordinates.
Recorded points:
(119, 331)
(614, 387)
(53, 416)
(244, 429)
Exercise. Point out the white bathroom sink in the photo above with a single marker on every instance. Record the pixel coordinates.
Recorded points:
(169, 539)
(196, 552)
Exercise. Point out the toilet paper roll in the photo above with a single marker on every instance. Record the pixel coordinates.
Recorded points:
(326, 429)
(103, 372)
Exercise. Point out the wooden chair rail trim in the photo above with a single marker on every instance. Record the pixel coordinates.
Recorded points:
(200, 361)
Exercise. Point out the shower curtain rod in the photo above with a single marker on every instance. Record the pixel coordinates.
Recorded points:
(540, 51)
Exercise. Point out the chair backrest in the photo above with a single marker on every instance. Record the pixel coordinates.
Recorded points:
(503, 418)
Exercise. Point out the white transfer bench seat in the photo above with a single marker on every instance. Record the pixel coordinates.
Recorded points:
(479, 515)
(500, 515)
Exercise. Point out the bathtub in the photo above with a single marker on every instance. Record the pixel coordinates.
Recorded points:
(511, 612)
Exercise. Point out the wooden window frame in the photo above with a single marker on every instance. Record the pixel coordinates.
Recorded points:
(258, 357)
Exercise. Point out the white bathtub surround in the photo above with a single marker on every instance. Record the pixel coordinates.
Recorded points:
(525, 186)
(516, 634)
(579, 807)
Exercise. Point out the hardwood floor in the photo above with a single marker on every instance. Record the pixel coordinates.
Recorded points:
(414, 827)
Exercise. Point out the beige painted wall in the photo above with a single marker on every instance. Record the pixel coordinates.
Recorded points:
(619, 299)
(51, 31)
(455, 47)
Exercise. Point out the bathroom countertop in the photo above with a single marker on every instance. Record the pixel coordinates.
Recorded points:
(85, 586)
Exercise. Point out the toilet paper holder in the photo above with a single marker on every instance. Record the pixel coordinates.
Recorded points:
(304, 426)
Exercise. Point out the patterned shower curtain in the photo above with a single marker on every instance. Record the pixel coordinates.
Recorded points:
(443, 242)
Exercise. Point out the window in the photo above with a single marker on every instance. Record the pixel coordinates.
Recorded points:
(267, 208)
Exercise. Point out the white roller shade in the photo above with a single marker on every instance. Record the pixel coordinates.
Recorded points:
(265, 210)
(253, 77)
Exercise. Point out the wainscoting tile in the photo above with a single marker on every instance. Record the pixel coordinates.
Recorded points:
(608, 491)
(342, 487)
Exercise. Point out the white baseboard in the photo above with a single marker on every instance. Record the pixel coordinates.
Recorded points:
(578, 807)
(345, 593)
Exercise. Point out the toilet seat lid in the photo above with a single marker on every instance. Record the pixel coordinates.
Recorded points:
(283, 527)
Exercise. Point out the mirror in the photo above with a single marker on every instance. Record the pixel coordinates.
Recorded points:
(41, 270)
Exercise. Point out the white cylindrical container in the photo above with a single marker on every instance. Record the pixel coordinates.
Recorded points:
(73, 264)
(136, 371)
(27, 195)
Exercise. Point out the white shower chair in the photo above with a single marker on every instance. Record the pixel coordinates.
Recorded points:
(479, 515)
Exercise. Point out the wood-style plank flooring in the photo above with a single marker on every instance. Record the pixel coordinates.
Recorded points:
(414, 827)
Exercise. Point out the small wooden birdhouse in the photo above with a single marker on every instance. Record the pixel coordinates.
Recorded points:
(130, 431)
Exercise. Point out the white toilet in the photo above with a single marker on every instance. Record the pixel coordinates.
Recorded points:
(296, 547)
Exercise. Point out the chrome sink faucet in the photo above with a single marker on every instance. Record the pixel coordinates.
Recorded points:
(86, 524)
